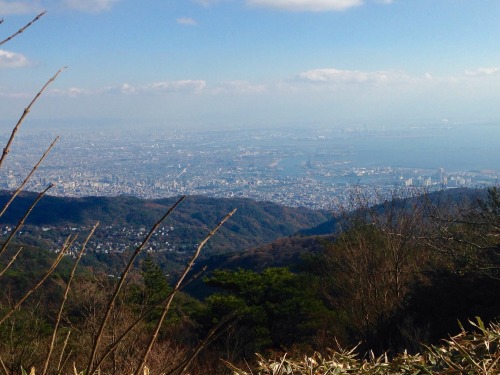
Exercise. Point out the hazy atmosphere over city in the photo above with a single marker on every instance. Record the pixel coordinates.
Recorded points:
(253, 63)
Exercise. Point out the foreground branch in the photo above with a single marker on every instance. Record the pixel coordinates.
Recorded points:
(20, 188)
(56, 262)
(25, 113)
(65, 297)
(23, 219)
(166, 308)
(143, 316)
(90, 369)
(21, 30)
(12, 260)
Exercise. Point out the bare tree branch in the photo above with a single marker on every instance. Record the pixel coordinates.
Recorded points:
(64, 298)
(166, 308)
(6, 372)
(23, 219)
(148, 311)
(20, 188)
(12, 260)
(56, 262)
(25, 113)
(21, 30)
(212, 335)
(90, 369)
(61, 363)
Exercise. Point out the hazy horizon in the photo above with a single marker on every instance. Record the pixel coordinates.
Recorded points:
(258, 63)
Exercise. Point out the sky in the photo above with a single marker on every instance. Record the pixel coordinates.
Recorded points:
(252, 63)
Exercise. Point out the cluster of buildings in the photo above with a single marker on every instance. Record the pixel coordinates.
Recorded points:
(285, 168)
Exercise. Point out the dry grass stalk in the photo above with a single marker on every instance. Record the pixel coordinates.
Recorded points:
(65, 247)
(6, 150)
(20, 188)
(23, 219)
(141, 318)
(214, 333)
(187, 269)
(466, 353)
(21, 30)
(61, 363)
(6, 372)
(12, 260)
(90, 366)
(64, 298)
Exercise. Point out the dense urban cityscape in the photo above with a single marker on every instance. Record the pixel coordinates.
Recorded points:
(314, 169)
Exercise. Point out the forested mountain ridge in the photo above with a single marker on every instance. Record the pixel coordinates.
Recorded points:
(254, 224)
(289, 251)
(392, 276)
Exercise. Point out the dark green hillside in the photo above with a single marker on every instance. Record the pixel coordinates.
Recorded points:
(284, 252)
(289, 251)
(452, 198)
(254, 224)
(29, 267)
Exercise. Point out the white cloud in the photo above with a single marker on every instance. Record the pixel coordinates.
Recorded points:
(71, 92)
(189, 86)
(14, 95)
(75, 91)
(338, 76)
(482, 72)
(239, 87)
(306, 5)
(176, 86)
(186, 21)
(91, 6)
(12, 60)
(127, 89)
(18, 7)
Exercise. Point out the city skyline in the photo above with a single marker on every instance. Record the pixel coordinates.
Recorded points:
(260, 63)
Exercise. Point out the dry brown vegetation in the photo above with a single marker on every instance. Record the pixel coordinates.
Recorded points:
(465, 353)
(93, 328)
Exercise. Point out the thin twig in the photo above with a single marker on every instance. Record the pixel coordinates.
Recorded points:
(66, 245)
(90, 369)
(25, 113)
(3, 367)
(166, 308)
(60, 364)
(13, 259)
(209, 338)
(18, 190)
(23, 28)
(64, 298)
(23, 219)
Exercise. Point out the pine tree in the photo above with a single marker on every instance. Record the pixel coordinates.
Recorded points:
(156, 287)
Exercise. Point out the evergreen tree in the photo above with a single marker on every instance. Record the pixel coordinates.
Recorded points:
(156, 287)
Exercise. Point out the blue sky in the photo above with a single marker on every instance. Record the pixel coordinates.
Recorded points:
(262, 63)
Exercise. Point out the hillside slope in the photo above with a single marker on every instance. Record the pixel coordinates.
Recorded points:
(254, 224)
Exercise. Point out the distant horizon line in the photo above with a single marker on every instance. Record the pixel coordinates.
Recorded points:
(189, 126)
